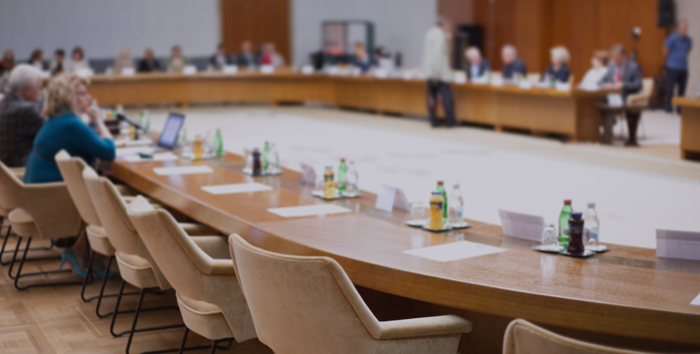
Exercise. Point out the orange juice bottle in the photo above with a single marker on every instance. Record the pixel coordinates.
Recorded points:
(198, 148)
(436, 202)
(328, 185)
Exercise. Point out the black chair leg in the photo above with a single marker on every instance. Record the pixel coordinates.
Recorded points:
(136, 318)
(213, 347)
(4, 245)
(88, 276)
(116, 312)
(184, 340)
(21, 264)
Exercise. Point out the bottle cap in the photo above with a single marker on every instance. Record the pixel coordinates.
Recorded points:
(567, 201)
(440, 183)
(591, 205)
(456, 186)
(342, 160)
(576, 215)
(267, 142)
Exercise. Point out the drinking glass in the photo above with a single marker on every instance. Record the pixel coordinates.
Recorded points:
(418, 211)
(550, 236)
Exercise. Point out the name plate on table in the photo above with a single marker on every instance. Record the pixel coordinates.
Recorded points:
(460, 77)
(562, 86)
(267, 69)
(525, 85)
(84, 72)
(307, 175)
(307, 69)
(523, 226)
(678, 244)
(381, 73)
(497, 81)
(230, 69)
(391, 198)
(128, 72)
(189, 70)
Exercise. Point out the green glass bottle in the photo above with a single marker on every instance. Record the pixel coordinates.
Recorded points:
(564, 217)
(342, 177)
(219, 143)
(266, 157)
(441, 188)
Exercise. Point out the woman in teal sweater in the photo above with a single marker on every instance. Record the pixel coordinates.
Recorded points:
(67, 98)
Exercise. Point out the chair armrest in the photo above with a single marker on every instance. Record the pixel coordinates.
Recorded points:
(215, 247)
(125, 190)
(425, 326)
(19, 172)
(222, 267)
(193, 229)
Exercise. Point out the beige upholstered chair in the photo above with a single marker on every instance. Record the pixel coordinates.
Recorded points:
(72, 171)
(523, 337)
(307, 305)
(135, 262)
(42, 211)
(201, 271)
(642, 97)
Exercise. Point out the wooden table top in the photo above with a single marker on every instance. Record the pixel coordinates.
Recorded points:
(627, 291)
(687, 102)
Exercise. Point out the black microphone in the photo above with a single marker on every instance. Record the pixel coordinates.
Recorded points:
(122, 117)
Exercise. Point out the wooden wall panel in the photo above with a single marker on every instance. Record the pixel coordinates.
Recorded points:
(259, 21)
(582, 26)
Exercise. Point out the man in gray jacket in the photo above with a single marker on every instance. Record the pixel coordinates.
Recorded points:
(436, 67)
(623, 74)
(20, 120)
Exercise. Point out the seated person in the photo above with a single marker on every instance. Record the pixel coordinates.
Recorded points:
(176, 63)
(591, 81)
(77, 61)
(8, 61)
(246, 57)
(66, 99)
(476, 66)
(149, 63)
(20, 119)
(57, 63)
(513, 67)
(37, 59)
(270, 56)
(220, 59)
(362, 59)
(123, 61)
(558, 70)
(622, 74)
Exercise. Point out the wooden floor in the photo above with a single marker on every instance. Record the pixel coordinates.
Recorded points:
(55, 319)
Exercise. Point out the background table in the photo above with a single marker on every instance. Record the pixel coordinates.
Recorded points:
(690, 127)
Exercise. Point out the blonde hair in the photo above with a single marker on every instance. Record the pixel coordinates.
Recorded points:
(61, 95)
(560, 54)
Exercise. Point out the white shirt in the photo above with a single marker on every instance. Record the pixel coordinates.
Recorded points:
(592, 78)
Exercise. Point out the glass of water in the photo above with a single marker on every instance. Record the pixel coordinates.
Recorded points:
(418, 212)
(550, 237)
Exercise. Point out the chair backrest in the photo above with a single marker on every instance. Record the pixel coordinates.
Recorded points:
(72, 171)
(111, 209)
(642, 97)
(523, 337)
(303, 304)
(10, 188)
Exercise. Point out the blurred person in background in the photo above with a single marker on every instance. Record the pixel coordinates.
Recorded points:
(149, 63)
(676, 50)
(436, 67)
(123, 60)
(20, 119)
(362, 59)
(176, 63)
(335, 50)
(221, 58)
(270, 55)
(623, 74)
(476, 66)
(559, 68)
(57, 63)
(76, 62)
(599, 63)
(513, 67)
(8, 61)
(36, 59)
(246, 57)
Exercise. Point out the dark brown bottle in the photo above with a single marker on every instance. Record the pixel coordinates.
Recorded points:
(257, 164)
(575, 234)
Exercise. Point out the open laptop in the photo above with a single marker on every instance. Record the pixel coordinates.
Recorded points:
(171, 132)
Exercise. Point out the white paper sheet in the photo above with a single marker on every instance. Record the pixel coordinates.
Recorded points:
(696, 301)
(454, 251)
(523, 226)
(307, 210)
(166, 156)
(237, 188)
(678, 244)
(182, 170)
(130, 151)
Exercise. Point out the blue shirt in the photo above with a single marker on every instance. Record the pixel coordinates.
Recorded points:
(678, 49)
(64, 132)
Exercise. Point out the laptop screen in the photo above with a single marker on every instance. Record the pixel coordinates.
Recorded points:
(171, 131)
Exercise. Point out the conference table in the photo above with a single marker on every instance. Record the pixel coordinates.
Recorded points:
(569, 113)
(690, 127)
(625, 297)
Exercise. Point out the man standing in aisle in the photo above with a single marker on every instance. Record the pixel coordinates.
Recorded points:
(436, 67)
(676, 49)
